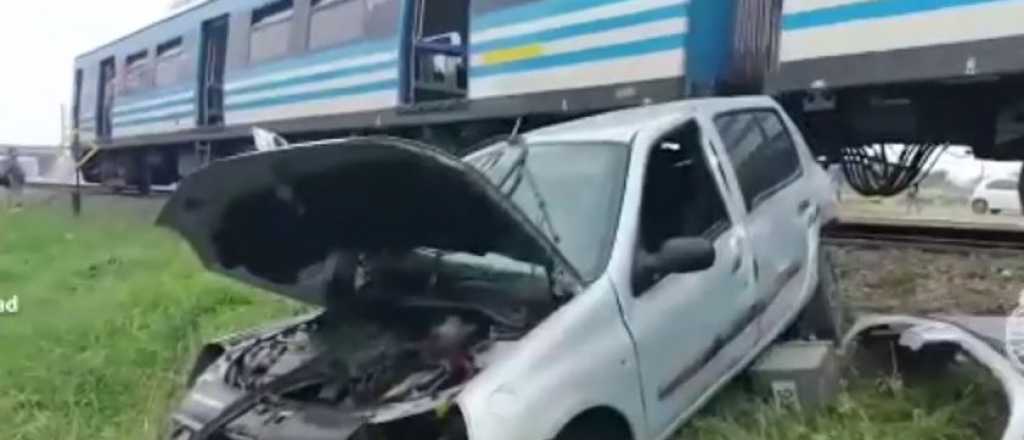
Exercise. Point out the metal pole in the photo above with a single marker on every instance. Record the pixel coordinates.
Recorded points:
(76, 151)
(76, 196)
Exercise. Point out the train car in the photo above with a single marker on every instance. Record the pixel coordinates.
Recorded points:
(858, 72)
(164, 100)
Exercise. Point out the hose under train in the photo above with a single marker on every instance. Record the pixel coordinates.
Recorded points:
(886, 169)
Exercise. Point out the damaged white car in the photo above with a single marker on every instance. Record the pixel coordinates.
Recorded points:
(599, 279)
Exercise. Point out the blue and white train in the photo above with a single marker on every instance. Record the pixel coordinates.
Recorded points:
(162, 101)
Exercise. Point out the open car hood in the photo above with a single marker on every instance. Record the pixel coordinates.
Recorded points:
(274, 218)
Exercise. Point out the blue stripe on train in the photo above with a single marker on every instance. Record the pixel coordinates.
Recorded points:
(314, 77)
(155, 119)
(670, 42)
(642, 47)
(379, 86)
(155, 106)
(366, 48)
(870, 10)
(533, 11)
(151, 95)
(674, 11)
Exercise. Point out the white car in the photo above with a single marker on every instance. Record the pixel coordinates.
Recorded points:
(595, 280)
(996, 196)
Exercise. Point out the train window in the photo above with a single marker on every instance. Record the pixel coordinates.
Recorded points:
(169, 61)
(1007, 185)
(137, 72)
(761, 151)
(382, 18)
(169, 48)
(336, 22)
(271, 31)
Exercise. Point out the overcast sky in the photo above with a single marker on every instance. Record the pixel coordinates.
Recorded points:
(39, 41)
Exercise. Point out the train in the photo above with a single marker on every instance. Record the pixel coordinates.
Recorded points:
(165, 100)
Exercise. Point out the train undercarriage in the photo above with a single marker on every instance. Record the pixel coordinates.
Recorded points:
(849, 126)
(858, 127)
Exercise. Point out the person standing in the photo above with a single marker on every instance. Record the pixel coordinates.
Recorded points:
(914, 199)
(15, 177)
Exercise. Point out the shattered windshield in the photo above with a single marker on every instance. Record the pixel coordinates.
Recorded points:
(571, 191)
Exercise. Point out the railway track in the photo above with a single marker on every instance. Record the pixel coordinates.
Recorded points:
(945, 237)
(957, 238)
(91, 189)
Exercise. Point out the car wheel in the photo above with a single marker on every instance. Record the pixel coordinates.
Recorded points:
(979, 206)
(594, 428)
(823, 318)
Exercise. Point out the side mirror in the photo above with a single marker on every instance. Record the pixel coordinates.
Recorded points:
(679, 255)
(684, 255)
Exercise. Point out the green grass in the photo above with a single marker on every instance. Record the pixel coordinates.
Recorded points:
(964, 406)
(112, 311)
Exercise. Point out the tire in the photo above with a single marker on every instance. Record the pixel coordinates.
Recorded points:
(823, 318)
(595, 428)
(590, 432)
(979, 206)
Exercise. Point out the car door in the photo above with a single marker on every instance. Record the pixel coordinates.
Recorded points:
(682, 322)
(781, 211)
(1004, 195)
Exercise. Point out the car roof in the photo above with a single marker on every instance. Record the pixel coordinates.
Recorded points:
(622, 125)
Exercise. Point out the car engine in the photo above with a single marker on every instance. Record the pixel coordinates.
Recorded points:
(332, 379)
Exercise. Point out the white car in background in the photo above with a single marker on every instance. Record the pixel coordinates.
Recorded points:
(995, 196)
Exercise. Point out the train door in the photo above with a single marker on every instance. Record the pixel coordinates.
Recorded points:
(105, 97)
(438, 62)
(211, 71)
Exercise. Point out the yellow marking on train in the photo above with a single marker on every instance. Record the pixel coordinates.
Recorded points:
(513, 54)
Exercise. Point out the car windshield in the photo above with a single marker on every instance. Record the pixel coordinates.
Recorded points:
(571, 191)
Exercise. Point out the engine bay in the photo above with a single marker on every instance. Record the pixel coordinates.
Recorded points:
(384, 360)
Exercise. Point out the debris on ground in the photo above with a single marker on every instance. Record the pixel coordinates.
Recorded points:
(923, 282)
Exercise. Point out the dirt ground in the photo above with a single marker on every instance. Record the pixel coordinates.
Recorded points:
(906, 280)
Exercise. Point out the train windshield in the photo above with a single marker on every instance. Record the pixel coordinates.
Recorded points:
(571, 191)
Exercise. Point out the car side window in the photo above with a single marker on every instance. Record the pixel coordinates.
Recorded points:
(1003, 185)
(762, 153)
(680, 197)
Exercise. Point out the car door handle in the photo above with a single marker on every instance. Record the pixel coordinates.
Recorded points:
(803, 206)
(736, 247)
(806, 206)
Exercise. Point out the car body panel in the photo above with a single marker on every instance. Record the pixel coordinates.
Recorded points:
(654, 359)
(548, 380)
(917, 334)
(273, 218)
(676, 324)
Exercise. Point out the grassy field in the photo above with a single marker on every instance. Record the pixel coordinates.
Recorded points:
(111, 311)
(964, 407)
